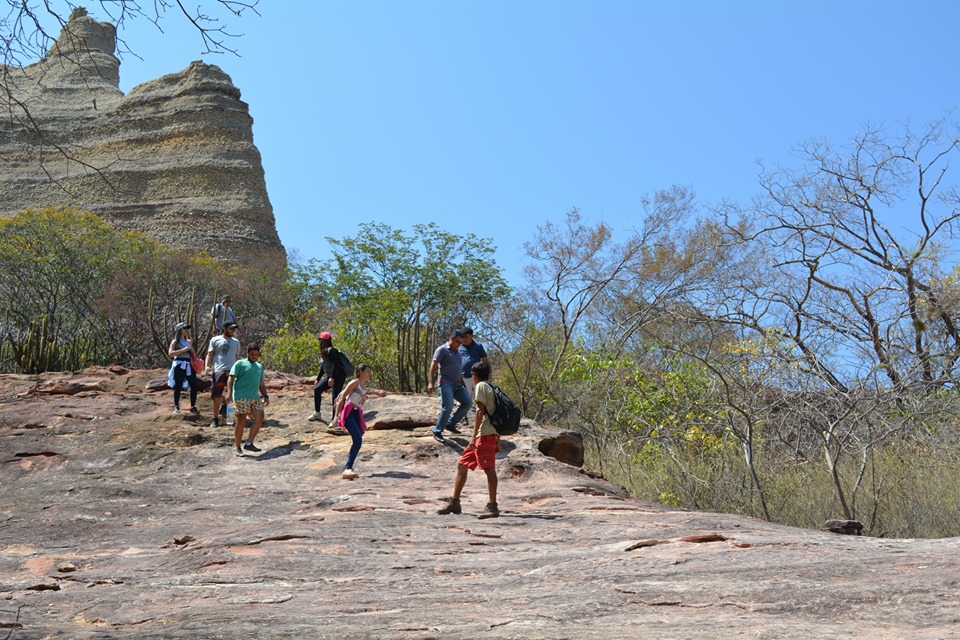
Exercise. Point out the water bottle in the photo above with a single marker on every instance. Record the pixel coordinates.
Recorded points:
(230, 413)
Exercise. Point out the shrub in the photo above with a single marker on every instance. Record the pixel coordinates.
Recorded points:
(295, 353)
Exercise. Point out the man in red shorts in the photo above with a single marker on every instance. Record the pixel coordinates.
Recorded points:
(482, 449)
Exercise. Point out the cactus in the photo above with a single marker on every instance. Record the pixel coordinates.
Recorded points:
(162, 330)
(38, 349)
(33, 350)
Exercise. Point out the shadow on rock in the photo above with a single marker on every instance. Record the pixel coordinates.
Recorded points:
(282, 450)
(506, 447)
(402, 475)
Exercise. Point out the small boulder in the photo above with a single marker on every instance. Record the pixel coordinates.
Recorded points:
(845, 527)
(566, 447)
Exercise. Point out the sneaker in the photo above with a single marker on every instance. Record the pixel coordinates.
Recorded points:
(349, 474)
(194, 411)
(453, 506)
(240, 452)
(492, 511)
(314, 417)
(438, 437)
(251, 447)
(453, 429)
(215, 422)
(176, 409)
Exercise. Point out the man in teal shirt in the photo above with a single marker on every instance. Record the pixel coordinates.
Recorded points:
(248, 391)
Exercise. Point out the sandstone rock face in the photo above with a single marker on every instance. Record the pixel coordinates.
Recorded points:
(174, 158)
(119, 519)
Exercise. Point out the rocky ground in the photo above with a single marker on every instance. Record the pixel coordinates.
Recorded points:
(119, 519)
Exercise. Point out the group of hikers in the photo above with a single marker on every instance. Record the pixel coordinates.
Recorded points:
(459, 367)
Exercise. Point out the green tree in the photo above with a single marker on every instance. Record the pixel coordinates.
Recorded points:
(394, 295)
(75, 284)
(54, 266)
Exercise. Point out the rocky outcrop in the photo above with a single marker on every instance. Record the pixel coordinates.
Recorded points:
(119, 519)
(174, 158)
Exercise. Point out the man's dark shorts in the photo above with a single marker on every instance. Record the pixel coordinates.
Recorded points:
(219, 383)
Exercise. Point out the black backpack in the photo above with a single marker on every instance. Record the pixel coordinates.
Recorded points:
(506, 415)
(345, 363)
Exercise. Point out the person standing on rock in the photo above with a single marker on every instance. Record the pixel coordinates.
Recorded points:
(247, 389)
(222, 314)
(181, 370)
(331, 376)
(482, 449)
(446, 360)
(221, 355)
(349, 408)
(471, 352)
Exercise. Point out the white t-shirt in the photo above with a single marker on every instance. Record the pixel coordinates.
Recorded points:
(358, 396)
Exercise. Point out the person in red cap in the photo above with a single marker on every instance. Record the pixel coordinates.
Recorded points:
(331, 376)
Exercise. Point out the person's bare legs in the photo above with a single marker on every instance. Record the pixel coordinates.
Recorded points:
(453, 505)
(460, 481)
(255, 429)
(238, 429)
(491, 483)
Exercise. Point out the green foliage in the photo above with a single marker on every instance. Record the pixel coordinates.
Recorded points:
(391, 297)
(149, 294)
(54, 265)
(38, 349)
(76, 291)
(295, 353)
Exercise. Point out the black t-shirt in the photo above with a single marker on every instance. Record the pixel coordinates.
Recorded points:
(330, 365)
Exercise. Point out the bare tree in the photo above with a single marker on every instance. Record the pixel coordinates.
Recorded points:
(859, 285)
(588, 292)
(859, 244)
(27, 29)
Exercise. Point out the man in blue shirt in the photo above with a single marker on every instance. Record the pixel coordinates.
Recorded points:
(446, 360)
(471, 352)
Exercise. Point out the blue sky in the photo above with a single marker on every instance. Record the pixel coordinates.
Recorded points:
(493, 117)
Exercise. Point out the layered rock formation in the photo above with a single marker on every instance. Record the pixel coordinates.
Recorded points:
(174, 158)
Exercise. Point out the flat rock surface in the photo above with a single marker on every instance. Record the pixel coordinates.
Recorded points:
(119, 519)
